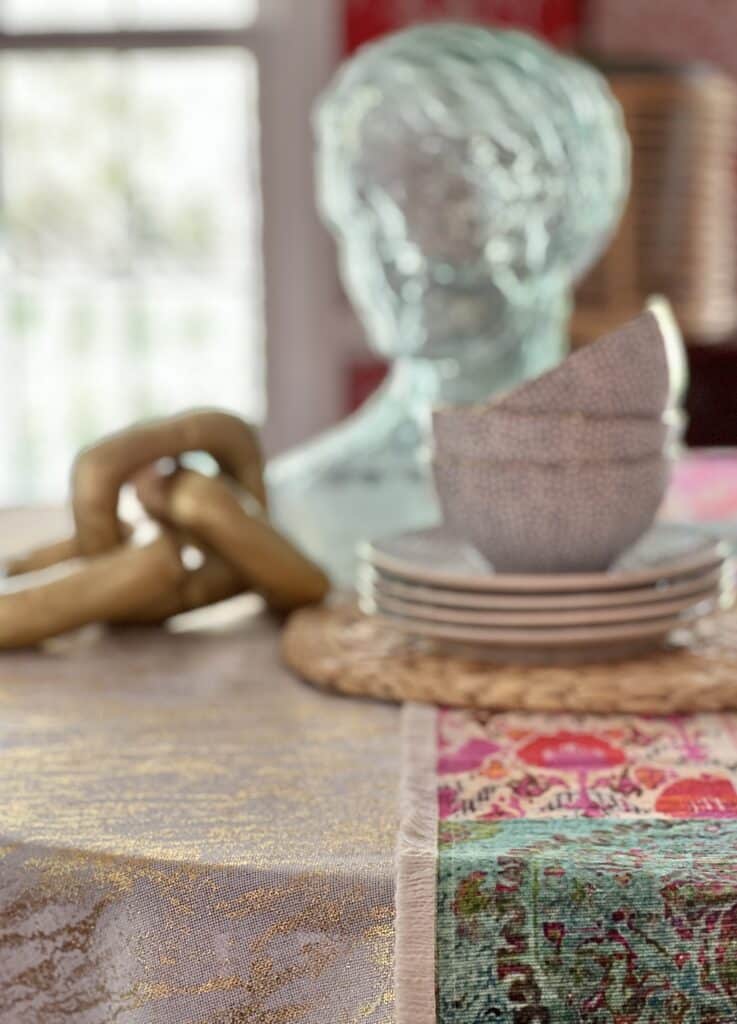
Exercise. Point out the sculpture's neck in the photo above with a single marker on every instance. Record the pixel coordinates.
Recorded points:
(482, 368)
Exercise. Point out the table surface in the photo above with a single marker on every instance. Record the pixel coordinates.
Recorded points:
(233, 827)
(188, 835)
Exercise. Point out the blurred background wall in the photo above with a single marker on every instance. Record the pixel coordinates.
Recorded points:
(674, 67)
(159, 246)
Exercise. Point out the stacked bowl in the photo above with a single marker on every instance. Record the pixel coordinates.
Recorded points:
(566, 472)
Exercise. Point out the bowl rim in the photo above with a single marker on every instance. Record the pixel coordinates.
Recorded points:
(657, 311)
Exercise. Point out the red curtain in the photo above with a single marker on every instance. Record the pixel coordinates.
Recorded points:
(556, 20)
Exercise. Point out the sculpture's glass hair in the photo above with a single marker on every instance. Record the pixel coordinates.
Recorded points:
(525, 112)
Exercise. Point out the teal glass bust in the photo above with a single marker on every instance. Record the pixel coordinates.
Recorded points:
(470, 178)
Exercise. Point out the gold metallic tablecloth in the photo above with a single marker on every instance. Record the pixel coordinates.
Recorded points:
(188, 835)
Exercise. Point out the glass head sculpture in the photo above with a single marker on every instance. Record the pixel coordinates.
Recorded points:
(470, 178)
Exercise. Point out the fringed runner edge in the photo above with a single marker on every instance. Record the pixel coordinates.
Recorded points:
(417, 868)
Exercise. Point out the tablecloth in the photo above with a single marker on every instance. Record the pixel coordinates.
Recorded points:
(190, 836)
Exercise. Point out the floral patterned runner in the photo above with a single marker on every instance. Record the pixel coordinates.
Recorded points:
(573, 868)
(586, 869)
(704, 490)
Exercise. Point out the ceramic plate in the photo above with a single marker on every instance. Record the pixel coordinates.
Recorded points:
(374, 583)
(438, 558)
(705, 602)
(578, 636)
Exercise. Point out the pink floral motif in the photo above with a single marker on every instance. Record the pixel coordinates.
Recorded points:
(470, 756)
(577, 752)
(624, 784)
(498, 812)
(572, 751)
(532, 785)
(705, 797)
(447, 802)
(503, 766)
(648, 777)
(494, 770)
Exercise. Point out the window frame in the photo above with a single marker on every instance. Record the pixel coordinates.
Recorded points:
(300, 48)
(296, 45)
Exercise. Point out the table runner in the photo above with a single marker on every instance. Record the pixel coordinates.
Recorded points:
(585, 870)
(704, 490)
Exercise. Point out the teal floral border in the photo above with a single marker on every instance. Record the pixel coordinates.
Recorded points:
(616, 922)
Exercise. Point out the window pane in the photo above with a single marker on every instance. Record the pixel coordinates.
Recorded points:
(64, 201)
(169, 13)
(32, 15)
(38, 15)
(130, 282)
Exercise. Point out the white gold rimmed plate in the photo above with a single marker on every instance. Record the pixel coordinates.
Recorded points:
(519, 638)
(437, 558)
(703, 603)
(375, 583)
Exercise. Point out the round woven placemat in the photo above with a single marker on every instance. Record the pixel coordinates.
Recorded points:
(340, 649)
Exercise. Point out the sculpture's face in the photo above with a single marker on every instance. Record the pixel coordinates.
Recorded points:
(449, 233)
(454, 203)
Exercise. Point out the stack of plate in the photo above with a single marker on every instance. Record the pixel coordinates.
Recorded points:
(430, 584)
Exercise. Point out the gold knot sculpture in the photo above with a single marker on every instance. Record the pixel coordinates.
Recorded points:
(102, 575)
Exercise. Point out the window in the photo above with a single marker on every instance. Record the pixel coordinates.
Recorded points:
(106, 15)
(132, 139)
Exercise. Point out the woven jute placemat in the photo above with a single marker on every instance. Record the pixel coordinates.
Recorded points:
(340, 649)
